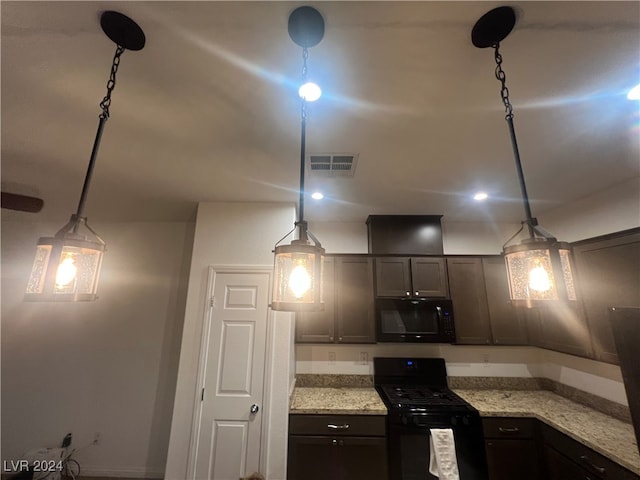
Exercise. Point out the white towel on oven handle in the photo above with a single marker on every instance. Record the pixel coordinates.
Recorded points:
(443, 462)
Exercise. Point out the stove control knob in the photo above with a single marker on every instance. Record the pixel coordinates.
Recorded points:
(454, 421)
(465, 420)
(404, 420)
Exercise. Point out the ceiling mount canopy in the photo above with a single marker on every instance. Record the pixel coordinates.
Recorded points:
(493, 27)
(298, 267)
(67, 266)
(539, 268)
(306, 26)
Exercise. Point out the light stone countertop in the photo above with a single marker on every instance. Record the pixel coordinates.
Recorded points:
(336, 401)
(606, 435)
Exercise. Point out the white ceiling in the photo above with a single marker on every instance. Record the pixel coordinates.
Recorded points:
(208, 110)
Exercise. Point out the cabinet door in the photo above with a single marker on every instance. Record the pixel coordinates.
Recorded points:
(564, 328)
(361, 458)
(508, 324)
(312, 458)
(429, 277)
(393, 277)
(470, 309)
(560, 467)
(318, 327)
(510, 459)
(609, 275)
(355, 316)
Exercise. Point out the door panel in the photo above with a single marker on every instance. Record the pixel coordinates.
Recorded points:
(229, 434)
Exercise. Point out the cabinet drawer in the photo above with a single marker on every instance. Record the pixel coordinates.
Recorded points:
(508, 427)
(362, 425)
(597, 465)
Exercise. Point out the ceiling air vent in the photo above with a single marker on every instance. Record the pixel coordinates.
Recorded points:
(332, 165)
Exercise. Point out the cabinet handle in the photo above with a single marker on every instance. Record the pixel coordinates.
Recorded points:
(334, 442)
(417, 293)
(598, 469)
(508, 430)
(331, 338)
(408, 294)
(344, 426)
(339, 339)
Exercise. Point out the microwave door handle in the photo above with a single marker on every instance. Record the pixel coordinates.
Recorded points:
(440, 319)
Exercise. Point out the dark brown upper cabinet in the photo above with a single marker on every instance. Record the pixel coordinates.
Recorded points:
(508, 324)
(470, 307)
(318, 327)
(608, 273)
(411, 277)
(348, 316)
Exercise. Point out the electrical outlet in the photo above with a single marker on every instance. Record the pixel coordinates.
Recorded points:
(97, 438)
(364, 358)
(332, 358)
(485, 359)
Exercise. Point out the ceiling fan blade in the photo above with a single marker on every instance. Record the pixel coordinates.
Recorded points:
(22, 203)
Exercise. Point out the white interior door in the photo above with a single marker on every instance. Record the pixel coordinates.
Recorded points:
(228, 444)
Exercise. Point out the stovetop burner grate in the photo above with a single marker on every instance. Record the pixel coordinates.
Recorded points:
(410, 396)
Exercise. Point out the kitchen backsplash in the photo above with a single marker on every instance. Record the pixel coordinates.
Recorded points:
(586, 375)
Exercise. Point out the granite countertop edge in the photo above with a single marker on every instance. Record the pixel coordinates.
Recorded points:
(366, 401)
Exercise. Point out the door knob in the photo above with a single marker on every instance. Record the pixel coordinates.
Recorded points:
(255, 408)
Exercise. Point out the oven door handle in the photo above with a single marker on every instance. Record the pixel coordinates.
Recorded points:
(344, 426)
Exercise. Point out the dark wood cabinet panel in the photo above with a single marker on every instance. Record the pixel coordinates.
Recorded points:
(411, 277)
(318, 452)
(355, 315)
(512, 459)
(562, 328)
(608, 272)
(429, 277)
(318, 327)
(311, 458)
(512, 447)
(568, 459)
(393, 276)
(470, 308)
(508, 324)
(349, 315)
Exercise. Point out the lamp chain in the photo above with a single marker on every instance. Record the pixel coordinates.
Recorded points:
(106, 101)
(501, 76)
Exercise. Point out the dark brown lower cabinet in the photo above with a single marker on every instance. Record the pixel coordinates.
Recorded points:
(512, 447)
(567, 459)
(337, 447)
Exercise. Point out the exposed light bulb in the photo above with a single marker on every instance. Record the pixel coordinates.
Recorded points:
(309, 92)
(634, 93)
(299, 281)
(539, 279)
(480, 196)
(66, 273)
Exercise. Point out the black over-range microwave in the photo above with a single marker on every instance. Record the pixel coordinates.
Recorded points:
(414, 320)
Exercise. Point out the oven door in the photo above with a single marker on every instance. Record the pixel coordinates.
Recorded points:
(409, 445)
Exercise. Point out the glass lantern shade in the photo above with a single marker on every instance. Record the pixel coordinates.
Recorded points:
(540, 271)
(298, 285)
(66, 268)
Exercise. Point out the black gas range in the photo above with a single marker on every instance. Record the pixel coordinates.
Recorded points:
(416, 393)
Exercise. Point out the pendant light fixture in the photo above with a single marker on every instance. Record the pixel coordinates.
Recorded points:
(298, 266)
(539, 268)
(67, 266)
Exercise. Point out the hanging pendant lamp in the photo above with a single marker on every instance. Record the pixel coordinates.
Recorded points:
(67, 266)
(539, 268)
(298, 266)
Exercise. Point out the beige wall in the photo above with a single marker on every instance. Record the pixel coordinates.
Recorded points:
(107, 366)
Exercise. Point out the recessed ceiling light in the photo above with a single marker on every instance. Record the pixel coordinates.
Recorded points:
(317, 196)
(480, 196)
(634, 93)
